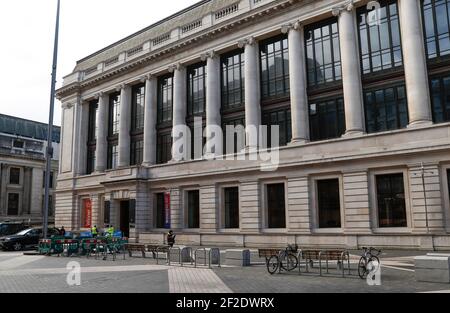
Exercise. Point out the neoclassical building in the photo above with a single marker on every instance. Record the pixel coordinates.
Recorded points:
(23, 144)
(360, 92)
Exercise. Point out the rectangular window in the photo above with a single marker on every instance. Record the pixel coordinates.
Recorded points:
(448, 182)
(281, 118)
(440, 99)
(107, 213)
(137, 109)
(137, 152)
(391, 201)
(329, 203)
(275, 67)
(323, 53)
(92, 127)
(114, 114)
(238, 140)
(380, 43)
(160, 211)
(233, 81)
(50, 205)
(164, 148)
(13, 204)
(386, 109)
(196, 89)
(327, 119)
(165, 99)
(231, 196)
(90, 164)
(193, 209)
(14, 176)
(51, 180)
(436, 16)
(276, 209)
(113, 156)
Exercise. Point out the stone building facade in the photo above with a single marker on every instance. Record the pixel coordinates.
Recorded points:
(358, 89)
(22, 166)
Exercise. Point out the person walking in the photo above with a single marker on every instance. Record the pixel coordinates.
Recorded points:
(171, 238)
(94, 231)
(111, 231)
(62, 231)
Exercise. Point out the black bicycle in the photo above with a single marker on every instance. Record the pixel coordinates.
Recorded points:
(369, 262)
(285, 260)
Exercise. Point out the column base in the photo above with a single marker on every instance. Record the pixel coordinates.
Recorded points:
(353, 133)
(419, 124)
(147, 164)
(298, 142)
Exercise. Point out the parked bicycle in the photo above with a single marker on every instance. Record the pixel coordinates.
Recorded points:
(369, 262)
(285, 260)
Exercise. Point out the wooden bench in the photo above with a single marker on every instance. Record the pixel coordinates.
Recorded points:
(325, 255)
(268, 253)
(155, 249)
(135, 247)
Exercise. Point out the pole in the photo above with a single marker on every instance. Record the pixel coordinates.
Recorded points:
(49, 152)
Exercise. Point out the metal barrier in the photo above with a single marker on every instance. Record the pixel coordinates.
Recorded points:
(161, 249)
(169, 254)
(323, 255)
(195, 256)
(208, 256)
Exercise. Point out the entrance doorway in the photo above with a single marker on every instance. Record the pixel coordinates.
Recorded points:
(125, 218)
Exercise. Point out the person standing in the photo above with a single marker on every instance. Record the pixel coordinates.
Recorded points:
(94, 231)
(171, 238)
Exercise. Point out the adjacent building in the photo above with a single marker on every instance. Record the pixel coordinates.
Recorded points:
(22, 167)
(361, 94)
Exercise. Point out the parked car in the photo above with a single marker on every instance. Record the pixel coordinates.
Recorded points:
(10, 228)
(28, 238)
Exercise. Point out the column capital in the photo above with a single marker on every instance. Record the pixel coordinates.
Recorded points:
(177, 67)
(146, 78)
(100, 94)
(248, 41)
(209, 55)
(349, 6)
(285, 29)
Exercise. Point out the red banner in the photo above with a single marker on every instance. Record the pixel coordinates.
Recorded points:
(167, 209)
(87, 209)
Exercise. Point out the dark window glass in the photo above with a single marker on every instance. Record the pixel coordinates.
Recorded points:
(14, 176)
(436, 15)
(132, 213)
(113, 156)
(160, 211)
(18, 144)
(231, 207)
(380, 43)
(137, 152)
(137, 112)
(92, 127)
(281, 118)
(233, 82)
(50, 205)
(196, 89)
(114, 114)
(13, 204)
(164, 148)
(329, 201)
(165, 99)
(193, 198)
(107, 213)
(276, 209)
(51, 180)
(448, 182)
(440, 99)
(386, 109)
(197, 136)
(239, 132)
(327, 119)
(275, 67)
(90, 164)
(391, 201)
(323, 53)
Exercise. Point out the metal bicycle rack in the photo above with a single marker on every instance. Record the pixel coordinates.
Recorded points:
(162, 249)
(345, 256)
(208, 256)
(169, 254)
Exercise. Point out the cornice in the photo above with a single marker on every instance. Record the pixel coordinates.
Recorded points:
(181, 45)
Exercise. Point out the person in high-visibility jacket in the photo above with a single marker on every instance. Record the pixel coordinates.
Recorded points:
(111, 231)
(94, 231)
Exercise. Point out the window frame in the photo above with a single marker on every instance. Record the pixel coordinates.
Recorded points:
(19, 176)
(225, 71)
(186, 225)
(442, 94)
(191, 101)
(19, 202)
(265, 206)
(311, 118)
(222, 202)
(438, 58)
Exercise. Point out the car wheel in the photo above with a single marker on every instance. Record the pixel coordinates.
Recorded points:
(17, 246)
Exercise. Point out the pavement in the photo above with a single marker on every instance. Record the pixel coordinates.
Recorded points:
(39, 274)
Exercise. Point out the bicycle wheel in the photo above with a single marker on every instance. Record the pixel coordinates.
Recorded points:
(362, 268)
(272, 265)
(289, 262)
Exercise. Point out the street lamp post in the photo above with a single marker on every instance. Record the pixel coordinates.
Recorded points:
(49, 150)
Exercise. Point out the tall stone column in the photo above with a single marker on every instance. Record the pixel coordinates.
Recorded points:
(150, 120)
(297, 75)
(213, 104)
(415, 63)
(179, 103)
(124, 126)
(252, 91)
(351, 70)
(102, 133)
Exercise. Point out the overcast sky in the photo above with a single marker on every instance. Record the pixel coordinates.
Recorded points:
(26, 36)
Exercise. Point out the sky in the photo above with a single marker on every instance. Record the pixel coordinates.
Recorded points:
(26, 43)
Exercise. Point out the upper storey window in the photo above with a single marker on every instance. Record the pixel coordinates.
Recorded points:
(275, 67)
(437, 27)
(380, 42)
(165, 99)
(137, 121)
(114, 114)
(323, 53)
(233, 80)
(196, 89)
